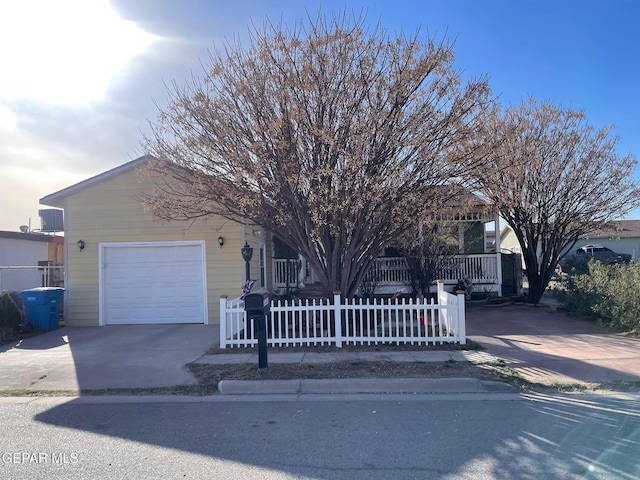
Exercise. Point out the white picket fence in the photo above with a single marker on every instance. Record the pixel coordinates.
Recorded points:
(314, 322)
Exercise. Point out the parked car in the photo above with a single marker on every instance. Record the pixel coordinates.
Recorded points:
(583, 254)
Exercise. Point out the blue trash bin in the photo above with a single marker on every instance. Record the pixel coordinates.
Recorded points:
(41, 306)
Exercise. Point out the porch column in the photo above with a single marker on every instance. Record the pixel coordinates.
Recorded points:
(498, 253)
(496, 220)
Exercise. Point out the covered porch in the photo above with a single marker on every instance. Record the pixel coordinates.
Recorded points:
(479, 262)
(391, 274)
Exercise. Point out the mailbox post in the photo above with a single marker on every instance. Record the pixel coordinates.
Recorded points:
(257, 306)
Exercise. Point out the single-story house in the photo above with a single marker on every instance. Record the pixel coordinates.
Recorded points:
(122, 267)
(24, 257)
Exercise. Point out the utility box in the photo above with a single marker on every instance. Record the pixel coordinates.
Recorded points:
(41, 306)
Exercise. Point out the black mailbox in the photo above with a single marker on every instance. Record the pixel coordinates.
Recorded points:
(258, 301)
(257, 306)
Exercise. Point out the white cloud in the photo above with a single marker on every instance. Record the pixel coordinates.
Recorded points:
(7, 118)
(64, 51)
(36, 163)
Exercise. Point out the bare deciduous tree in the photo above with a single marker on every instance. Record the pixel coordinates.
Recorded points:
(554, 178)
(328, 133)
(427, 253)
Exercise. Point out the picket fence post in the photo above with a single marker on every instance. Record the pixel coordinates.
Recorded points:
(223, 321)
(462, 327)
(442, 300)
(337, 315)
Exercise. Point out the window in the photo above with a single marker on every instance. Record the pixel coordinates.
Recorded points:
(263, 276)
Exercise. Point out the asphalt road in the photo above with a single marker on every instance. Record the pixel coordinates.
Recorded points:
(477, 436)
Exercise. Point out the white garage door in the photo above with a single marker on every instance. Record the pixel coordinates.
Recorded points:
(147, 283)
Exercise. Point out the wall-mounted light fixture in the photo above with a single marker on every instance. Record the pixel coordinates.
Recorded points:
(220, 241)
(80, 244)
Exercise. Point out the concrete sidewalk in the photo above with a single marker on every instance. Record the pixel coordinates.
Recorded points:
(350, 356)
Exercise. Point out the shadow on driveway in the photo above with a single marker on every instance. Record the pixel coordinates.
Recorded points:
(544, 345)
(95, 358)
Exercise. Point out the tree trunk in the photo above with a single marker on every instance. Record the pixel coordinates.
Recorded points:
(534, 276)
(536, 288)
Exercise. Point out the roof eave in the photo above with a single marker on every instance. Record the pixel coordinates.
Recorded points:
(57, 199)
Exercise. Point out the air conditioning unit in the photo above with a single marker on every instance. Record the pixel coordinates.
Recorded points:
(51, 220)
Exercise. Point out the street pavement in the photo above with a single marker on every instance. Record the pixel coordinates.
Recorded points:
(443, 436)
(538, 342)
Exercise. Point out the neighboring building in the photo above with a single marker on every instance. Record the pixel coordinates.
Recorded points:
(621, 236)
(29, 250)
(122, 267)
(508, 240)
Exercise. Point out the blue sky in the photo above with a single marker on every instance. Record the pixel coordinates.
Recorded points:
(80, 78)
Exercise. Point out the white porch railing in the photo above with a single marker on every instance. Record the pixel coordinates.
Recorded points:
(393, 271)
(286, 272)
(16, 278)
(481, 268)
(314, 322)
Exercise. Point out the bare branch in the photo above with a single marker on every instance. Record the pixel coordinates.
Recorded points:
(554, 178)
(329, 133)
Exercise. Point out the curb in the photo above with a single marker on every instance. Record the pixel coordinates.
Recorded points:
(362, 385)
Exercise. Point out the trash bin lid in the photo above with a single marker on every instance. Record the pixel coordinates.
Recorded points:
(42, 289)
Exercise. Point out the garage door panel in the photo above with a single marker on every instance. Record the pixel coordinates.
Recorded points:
(190, 294)
(118, 315)
(154, 284)
(144, 314)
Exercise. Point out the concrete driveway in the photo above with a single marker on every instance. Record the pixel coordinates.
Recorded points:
(545, 345)
(127, 356)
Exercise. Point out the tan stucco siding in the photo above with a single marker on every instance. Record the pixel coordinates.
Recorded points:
(110, 212)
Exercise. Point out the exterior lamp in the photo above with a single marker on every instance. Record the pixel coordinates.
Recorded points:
(247, 253)
(80, 244)
(220, 241)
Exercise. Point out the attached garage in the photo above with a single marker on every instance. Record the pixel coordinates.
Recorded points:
(152, 283)
(132, 269)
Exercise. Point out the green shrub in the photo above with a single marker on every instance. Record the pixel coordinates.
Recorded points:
(10, 316)
(576, 266)
(463, 285)
(609, 294)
